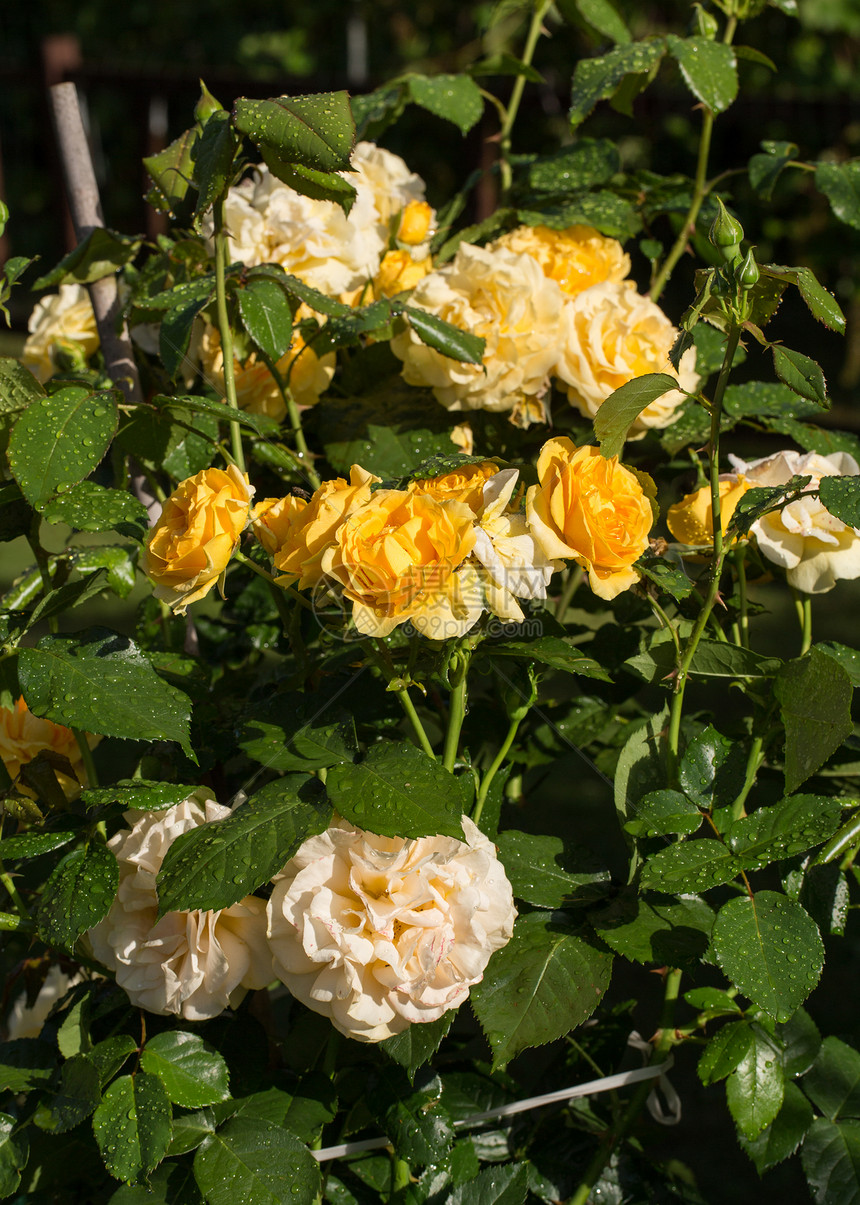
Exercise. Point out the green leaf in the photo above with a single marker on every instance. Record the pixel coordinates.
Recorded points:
(755, 1089)
(801, 1043)
(771, 950)
(847, 657)
(763, 499)
(417, 1044)
(419, 1126)
(13, 1154)
(189, 1130)
(260, 424)
(132, 1126)
(586, 164)
(547, 980)
(99, 681)
(800, 373)
(757, 398)
(814, 694)
(33, 845)
(623, 407)
(596, 79)
(725, 1050)
(267, 315)
(255, 1162)
(456, 98)
(785, 1133)
(840, 183)
(831, 1161)
(604, 18)
(170, 1184)
(544, 872)
(764, 170)
(116, 560)
(641, 768)
(553, 651)
(670, 579)
(193, 1072)
(713, 769)
(109, 1055)
(77, 895)
(606, 211)
(398, 791)
(662, 812)
(691, 866)
(171, 170)
(181, 443)
(321, 186)
(505, 1185)
(174, 335)
(314, 131)
(214, 154)
(59, 441)
(833, 1081)
(101, 253)
(784, 829)
(91, 507)
(293, 732)
(25, 1063)
(18, 390)
(74, 1097)
(841, 496)
(445, 338)
(656, 929)
(709, 70)
(821, 304)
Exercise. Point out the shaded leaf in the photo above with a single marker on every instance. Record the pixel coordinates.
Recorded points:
(132, 1126)
(623, 407)
(77, 895)
(814, 694)
(256, 1162)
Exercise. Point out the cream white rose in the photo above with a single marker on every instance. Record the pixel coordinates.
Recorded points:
(379, 932)
(814, 547)
(26, 1020)
(506, 299)
(191, 964)
(610, 334)
(59, 318)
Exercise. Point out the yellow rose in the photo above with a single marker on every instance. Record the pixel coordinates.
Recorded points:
(307, 374)
(396, 557)
(592, 509)
(691, 520)
(64, 318)
(576, 258)
(463, 437)
(415, 222)
(313, 528)
(274, 520)
(399, 272)
(23, 736)
(465, 484)
(191, 544)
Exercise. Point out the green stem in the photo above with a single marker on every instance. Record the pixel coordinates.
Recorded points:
(15, 924)
(701, 188)
(456, 716)
(665, 1036)
(86, 757)
(41, 558)
(486, 781)
(803, 606)
(719, 551)
(303, 456)
(383, 661)
(739, 555)
(12, 891)
(754, 760)
(665, 623)
(575, 578)
(226, 332)
(401, 1176)
(541, 9)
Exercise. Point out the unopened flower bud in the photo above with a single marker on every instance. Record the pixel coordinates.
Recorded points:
(747, 274)
(726, 233)
(414, 223)
(704, 24)
(4, 216)
(206, 105)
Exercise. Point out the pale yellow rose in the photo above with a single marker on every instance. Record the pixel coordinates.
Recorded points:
(387, 179)
(576, 258)
(399, 272)
(416, 222)
(611, 334)
(190, 964)
(691, 520)
(592, 509)
(396, 559)
(463, 437)
(506, 300)
(814, 547)
(311, 530)
(377, 933)
(464, 484)
(191, 544)
(64, 318)
(274, 520)
(23, 736)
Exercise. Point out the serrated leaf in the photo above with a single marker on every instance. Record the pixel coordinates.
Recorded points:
(417, 1044)
(217, 864)
(292, 732)
(800, 374)
(72, 1099)
(456, 98)
(13, 1154)
(193, 1072)
(117, 561)
(833, 1081)
(821, 304)
(814, 694)
(771, 950)
(840, 183)
(652, 928)
(553, 651)
(755, 1089)
(784, 829)
(691, 866)
(170, 1184)
(419, 1126)
(255, 1162)
(506, 1185)
(841, 496)
(101, 253)
(267, 315)
(99, 681)
(398, 791)
(321, 186)
(60, 440)
(132, 1126)
(109, 1055)
(260, 424)
(604, 18)
(847, 657)
(724, 1051)
(214, 154)
(170, 171)
(596, 79)
(25, 1063)
(547, 980)
(757, 398)
(831, 1161)
(78, 893)
(709, 69)
(784, 1135)
(91, 507)
(316, 131)
(764, 170)
(33, 845)
(662, 812)
(18, 390)
(587, 164)
(445, 338)
(713, 769)
(544, 872)
(620, 410)
(671, 579)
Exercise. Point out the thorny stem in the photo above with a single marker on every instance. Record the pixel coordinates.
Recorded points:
(383, 661)
(15, 924)
(665, 1036)
(674, 731)
(12, 891)
(226, 333)
(701, 188)
(541, 9)
(487, 780)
